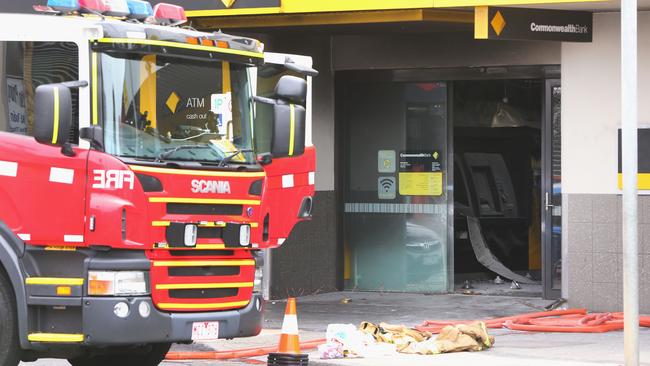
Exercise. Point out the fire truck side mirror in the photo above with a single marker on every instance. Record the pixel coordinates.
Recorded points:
(53, 114)
(288, 130)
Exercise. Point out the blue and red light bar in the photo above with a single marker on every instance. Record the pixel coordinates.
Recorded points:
(138, 9)
(164, 13)
(134, 9)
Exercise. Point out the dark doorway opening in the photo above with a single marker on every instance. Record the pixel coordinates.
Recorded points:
(497, 182)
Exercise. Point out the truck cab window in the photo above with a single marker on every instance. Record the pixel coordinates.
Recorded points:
(23, 67)
(167, 108)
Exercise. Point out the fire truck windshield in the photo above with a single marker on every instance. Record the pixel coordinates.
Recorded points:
(162, 108)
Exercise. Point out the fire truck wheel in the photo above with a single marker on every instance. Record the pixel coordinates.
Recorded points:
(155, 355)
(9, 346)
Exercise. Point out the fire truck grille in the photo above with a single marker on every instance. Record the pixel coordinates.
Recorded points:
(203, 209)
(215, 293)
(189, 284)
(209, 233)
(203, 271)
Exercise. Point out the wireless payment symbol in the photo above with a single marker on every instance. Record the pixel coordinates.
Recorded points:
(386, 188)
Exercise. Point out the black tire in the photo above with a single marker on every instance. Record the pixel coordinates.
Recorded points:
(152, 356)
(9, 344)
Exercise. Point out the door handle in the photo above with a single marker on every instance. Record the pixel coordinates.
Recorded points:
(546, 201)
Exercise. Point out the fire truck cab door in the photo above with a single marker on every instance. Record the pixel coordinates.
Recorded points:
(43, 202)
(289, 180)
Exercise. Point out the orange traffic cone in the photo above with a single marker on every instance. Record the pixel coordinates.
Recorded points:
(289, 346)
(289, 342)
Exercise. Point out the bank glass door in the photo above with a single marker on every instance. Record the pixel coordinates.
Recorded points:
(395, 194)
(552, 192)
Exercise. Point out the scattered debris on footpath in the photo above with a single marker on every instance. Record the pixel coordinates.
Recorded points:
(370, 340)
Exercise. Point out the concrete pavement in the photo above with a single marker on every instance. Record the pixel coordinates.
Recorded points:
(512, 348)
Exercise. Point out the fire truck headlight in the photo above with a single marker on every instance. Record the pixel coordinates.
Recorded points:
(244, 235)
(190, 235)
(117, 283)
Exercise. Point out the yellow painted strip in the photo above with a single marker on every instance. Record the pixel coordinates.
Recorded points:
(55, 126)
(190, 286)
(338, 18)
(61, 248)
(310, 6)
(148, 89)
(54, 281)
(209, 224)
(643, 181)
(215, 201)
(95, 85)
(481, 22)
(461, 3)
(225, 77)
(212, 224)
(292, 128)
(242, 262)
(160, 223)
(210, 246)
(203, 306)
(202, 173)
(218, 12)
(187, 46)
(55, 338)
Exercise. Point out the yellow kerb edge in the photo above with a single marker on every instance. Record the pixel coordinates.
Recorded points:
(54, 281)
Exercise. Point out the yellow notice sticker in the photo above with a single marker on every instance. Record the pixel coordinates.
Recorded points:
(420, 184)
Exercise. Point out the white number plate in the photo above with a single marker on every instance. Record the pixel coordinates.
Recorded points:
(205, 331)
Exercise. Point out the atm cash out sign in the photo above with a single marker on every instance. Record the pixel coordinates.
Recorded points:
(497, 23)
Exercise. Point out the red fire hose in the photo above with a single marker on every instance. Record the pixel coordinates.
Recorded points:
(570, 320)
(567, 321)
(237, 353)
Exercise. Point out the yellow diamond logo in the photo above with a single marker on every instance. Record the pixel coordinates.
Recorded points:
(172, 102)
(228, 3)
(498, 23)
(435, 155)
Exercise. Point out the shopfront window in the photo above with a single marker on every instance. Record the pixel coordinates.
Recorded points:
(396, 187)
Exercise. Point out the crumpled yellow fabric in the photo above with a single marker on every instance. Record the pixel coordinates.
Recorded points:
(463, 337)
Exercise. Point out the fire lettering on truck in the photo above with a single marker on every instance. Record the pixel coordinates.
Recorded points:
(210, 186)
(113, 179)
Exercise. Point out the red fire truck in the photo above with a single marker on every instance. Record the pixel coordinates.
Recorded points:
(143, 167)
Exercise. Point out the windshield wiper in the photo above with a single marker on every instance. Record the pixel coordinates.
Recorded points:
(165, 154)
(228, 158)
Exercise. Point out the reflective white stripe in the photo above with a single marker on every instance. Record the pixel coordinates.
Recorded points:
(290, 324)
(61, 175)
(73, 238)
(287, 181)
(312, 178)
(138, 35)
(8, 168)
(25, 237)
(281, 241)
